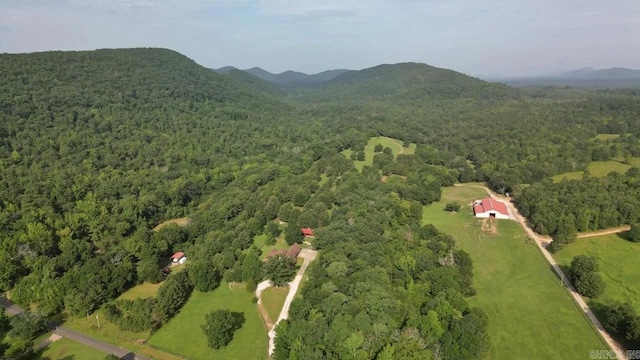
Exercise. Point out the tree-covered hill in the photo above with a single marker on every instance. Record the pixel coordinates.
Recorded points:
(129, 77)
(409, 82)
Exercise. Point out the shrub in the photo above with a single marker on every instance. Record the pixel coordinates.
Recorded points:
(634, 233)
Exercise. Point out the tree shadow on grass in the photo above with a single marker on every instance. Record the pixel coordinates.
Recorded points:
(623, 235)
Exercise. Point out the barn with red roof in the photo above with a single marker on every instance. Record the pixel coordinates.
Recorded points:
(307, 231)
(490, 208)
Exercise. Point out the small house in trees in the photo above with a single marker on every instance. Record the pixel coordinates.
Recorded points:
(179, 258)
(292, 253)
(294, 250)
(307, 231)
(490, 208)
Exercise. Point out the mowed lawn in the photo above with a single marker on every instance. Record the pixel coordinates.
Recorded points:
(260, 241)
(618, 262)
(530, 315)
(65, 349)
(183, 334)
(142, 291)
(394, 144)
(599, 169)
(273, 300)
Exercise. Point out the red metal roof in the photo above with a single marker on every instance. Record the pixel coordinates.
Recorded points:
(307, 231)
(178, 255)
(490, 204)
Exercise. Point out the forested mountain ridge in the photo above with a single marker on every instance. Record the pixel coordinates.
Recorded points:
(408, 82)
(131, 75)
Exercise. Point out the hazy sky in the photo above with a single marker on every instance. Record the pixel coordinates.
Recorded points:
(508, 37)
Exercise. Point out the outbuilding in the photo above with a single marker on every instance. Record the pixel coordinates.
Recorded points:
(307, 231)
(489, 207)
(179, 258)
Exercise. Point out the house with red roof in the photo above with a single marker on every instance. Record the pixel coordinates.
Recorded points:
(179, 258)
(489, 207)
(307, 231)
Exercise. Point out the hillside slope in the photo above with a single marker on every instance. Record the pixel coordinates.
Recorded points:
(133, 77)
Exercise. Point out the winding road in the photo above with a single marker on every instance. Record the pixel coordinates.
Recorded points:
(542, 242)
(78, 337)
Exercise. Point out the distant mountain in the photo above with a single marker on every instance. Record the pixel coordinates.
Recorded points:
(602, 74)
(253, 82)
(586, 78)
(225, 70)
(411, 81)
(288, 78)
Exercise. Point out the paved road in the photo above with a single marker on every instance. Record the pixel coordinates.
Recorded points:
(81, 338)
(542, 242)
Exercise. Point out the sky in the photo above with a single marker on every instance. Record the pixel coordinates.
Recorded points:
(488, 37)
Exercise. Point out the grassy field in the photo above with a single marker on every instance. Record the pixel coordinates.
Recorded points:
(619, 265)
(65, 349)
(394, 144)
(530, 315)
(183, 335)
(142, 291)
(598, 169)
(260, 242)
(273, 300)
(180, 222)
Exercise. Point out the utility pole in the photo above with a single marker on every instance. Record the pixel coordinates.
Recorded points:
(98, 320)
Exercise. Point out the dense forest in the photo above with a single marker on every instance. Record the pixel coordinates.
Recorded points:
(97, 148)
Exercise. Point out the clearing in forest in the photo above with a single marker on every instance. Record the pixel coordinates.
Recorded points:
(605, 137)
(260, 241)
(142, 291)
(180, 222)
(599, 169)
(618, 264)
(394, 144)
(530, 315)
(183, 334)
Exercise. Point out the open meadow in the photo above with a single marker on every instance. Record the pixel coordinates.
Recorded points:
(65, 349)
(618, 264)
(599, 169)
(183, 334)
(531, 315)
(394, 144)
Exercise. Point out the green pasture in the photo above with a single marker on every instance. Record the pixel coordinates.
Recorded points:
(183, 334)
(530, 315)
